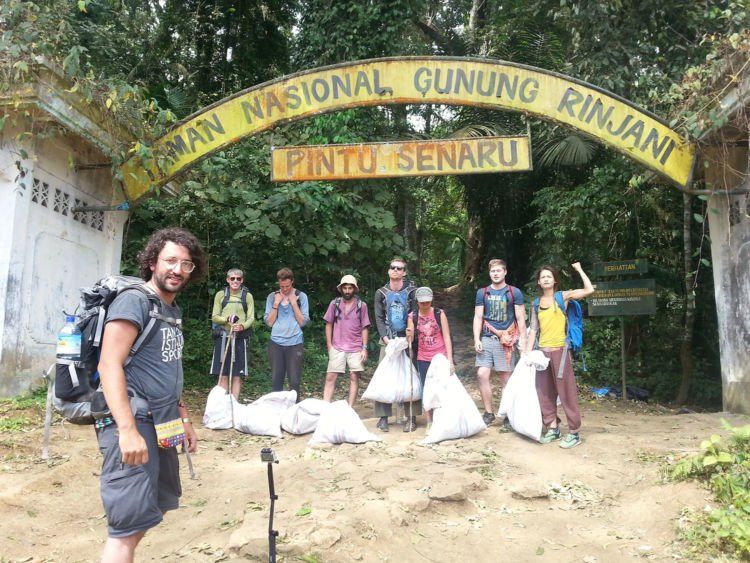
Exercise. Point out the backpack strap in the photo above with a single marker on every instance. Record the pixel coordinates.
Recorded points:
(336, 309)
(243, 298)
(155, 315)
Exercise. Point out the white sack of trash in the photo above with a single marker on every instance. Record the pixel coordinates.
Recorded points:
(455, 415)
(339, 424)
(520, 402)
(303, 417)
(396, 379)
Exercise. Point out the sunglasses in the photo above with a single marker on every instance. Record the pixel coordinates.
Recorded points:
(398, 268)
(235, 278)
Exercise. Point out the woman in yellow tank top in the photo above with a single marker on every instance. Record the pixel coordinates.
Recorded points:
(558, 380)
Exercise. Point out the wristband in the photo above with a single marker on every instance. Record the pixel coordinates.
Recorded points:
(274, 308)
(186, 421)
(364, 347)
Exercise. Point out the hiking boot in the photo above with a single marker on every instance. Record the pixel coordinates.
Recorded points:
(570, 441)
(551, 435)
(383, 424)
(488, 418)
(410, 425)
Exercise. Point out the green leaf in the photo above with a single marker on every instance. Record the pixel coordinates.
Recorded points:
(304, 511)
(725, 457)
(698, 217)
(709, 460)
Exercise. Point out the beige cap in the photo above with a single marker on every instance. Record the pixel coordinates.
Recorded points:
(350, 279)
(423, 294)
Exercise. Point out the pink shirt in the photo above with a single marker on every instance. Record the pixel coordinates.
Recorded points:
(430, 337)
(347, 330)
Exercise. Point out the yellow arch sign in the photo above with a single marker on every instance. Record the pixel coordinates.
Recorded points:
(419, 80)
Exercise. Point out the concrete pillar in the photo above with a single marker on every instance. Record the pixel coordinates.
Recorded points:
(16, 176)
(729, 223)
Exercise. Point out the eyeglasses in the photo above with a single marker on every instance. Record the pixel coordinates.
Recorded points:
(398, 268)
(234, 278)
(186, 265)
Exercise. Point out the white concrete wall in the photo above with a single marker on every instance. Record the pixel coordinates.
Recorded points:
(730, 251)
(47, 252)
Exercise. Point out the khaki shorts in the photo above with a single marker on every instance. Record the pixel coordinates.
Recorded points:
(339, 360)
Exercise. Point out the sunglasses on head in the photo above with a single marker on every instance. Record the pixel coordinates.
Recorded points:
(395, 267)
(235, 278)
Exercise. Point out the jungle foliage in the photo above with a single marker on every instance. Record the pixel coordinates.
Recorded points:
(152, 62)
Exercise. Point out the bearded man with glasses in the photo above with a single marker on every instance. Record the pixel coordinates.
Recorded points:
(140, 478)
(232, 322)
(393, 303)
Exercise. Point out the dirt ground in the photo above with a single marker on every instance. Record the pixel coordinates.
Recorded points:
(493, 497)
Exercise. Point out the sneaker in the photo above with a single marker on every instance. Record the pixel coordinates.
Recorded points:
(488, 418)
(570, 441)
(410, 425)
(383, 424)
(551, 435)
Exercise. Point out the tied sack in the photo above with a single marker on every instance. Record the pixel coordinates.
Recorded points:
(339, 424)
(262, 417)
(218, 413)
(303, 417)
(457, 415)
(520, 402)
(395, 380)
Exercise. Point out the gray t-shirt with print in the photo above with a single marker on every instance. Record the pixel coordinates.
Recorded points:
(156, 370)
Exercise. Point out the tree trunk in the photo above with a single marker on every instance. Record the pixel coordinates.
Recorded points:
(686, 349)
(474, 250)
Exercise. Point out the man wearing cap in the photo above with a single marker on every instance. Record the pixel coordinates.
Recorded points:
(347, 334)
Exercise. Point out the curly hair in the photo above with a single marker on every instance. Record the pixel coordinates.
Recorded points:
(148, 256)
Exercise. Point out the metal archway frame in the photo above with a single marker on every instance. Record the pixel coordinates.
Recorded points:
(491, 84)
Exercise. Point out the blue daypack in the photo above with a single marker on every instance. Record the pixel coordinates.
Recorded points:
(397, 308)
(574, 317)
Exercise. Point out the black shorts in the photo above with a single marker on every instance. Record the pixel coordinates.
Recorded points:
(236, 358)
(136, 496)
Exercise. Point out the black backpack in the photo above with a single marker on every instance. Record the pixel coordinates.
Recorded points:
(77, 394)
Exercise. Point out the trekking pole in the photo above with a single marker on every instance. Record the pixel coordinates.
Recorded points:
(411, 379)
(267, 455)
(189, 461)
(224, 359)
(229, 378)
(48, 411)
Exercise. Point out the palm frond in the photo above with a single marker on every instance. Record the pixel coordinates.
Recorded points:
(570, 150)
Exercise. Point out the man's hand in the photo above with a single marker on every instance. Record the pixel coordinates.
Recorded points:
(453, 368)
(191, 438)
(478, 345)
(237, 327)
(386, 340)
(292, 297)
(363, 355)
(132, 447)
(277, 297)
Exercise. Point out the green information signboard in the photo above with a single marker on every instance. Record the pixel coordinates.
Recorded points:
(631, 297)
(624, 267)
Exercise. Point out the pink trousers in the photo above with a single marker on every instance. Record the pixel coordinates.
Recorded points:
(549, 387)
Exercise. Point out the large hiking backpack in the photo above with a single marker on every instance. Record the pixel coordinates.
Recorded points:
(398, 305)
(77, 394)
(216, 329)
(574, 321)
